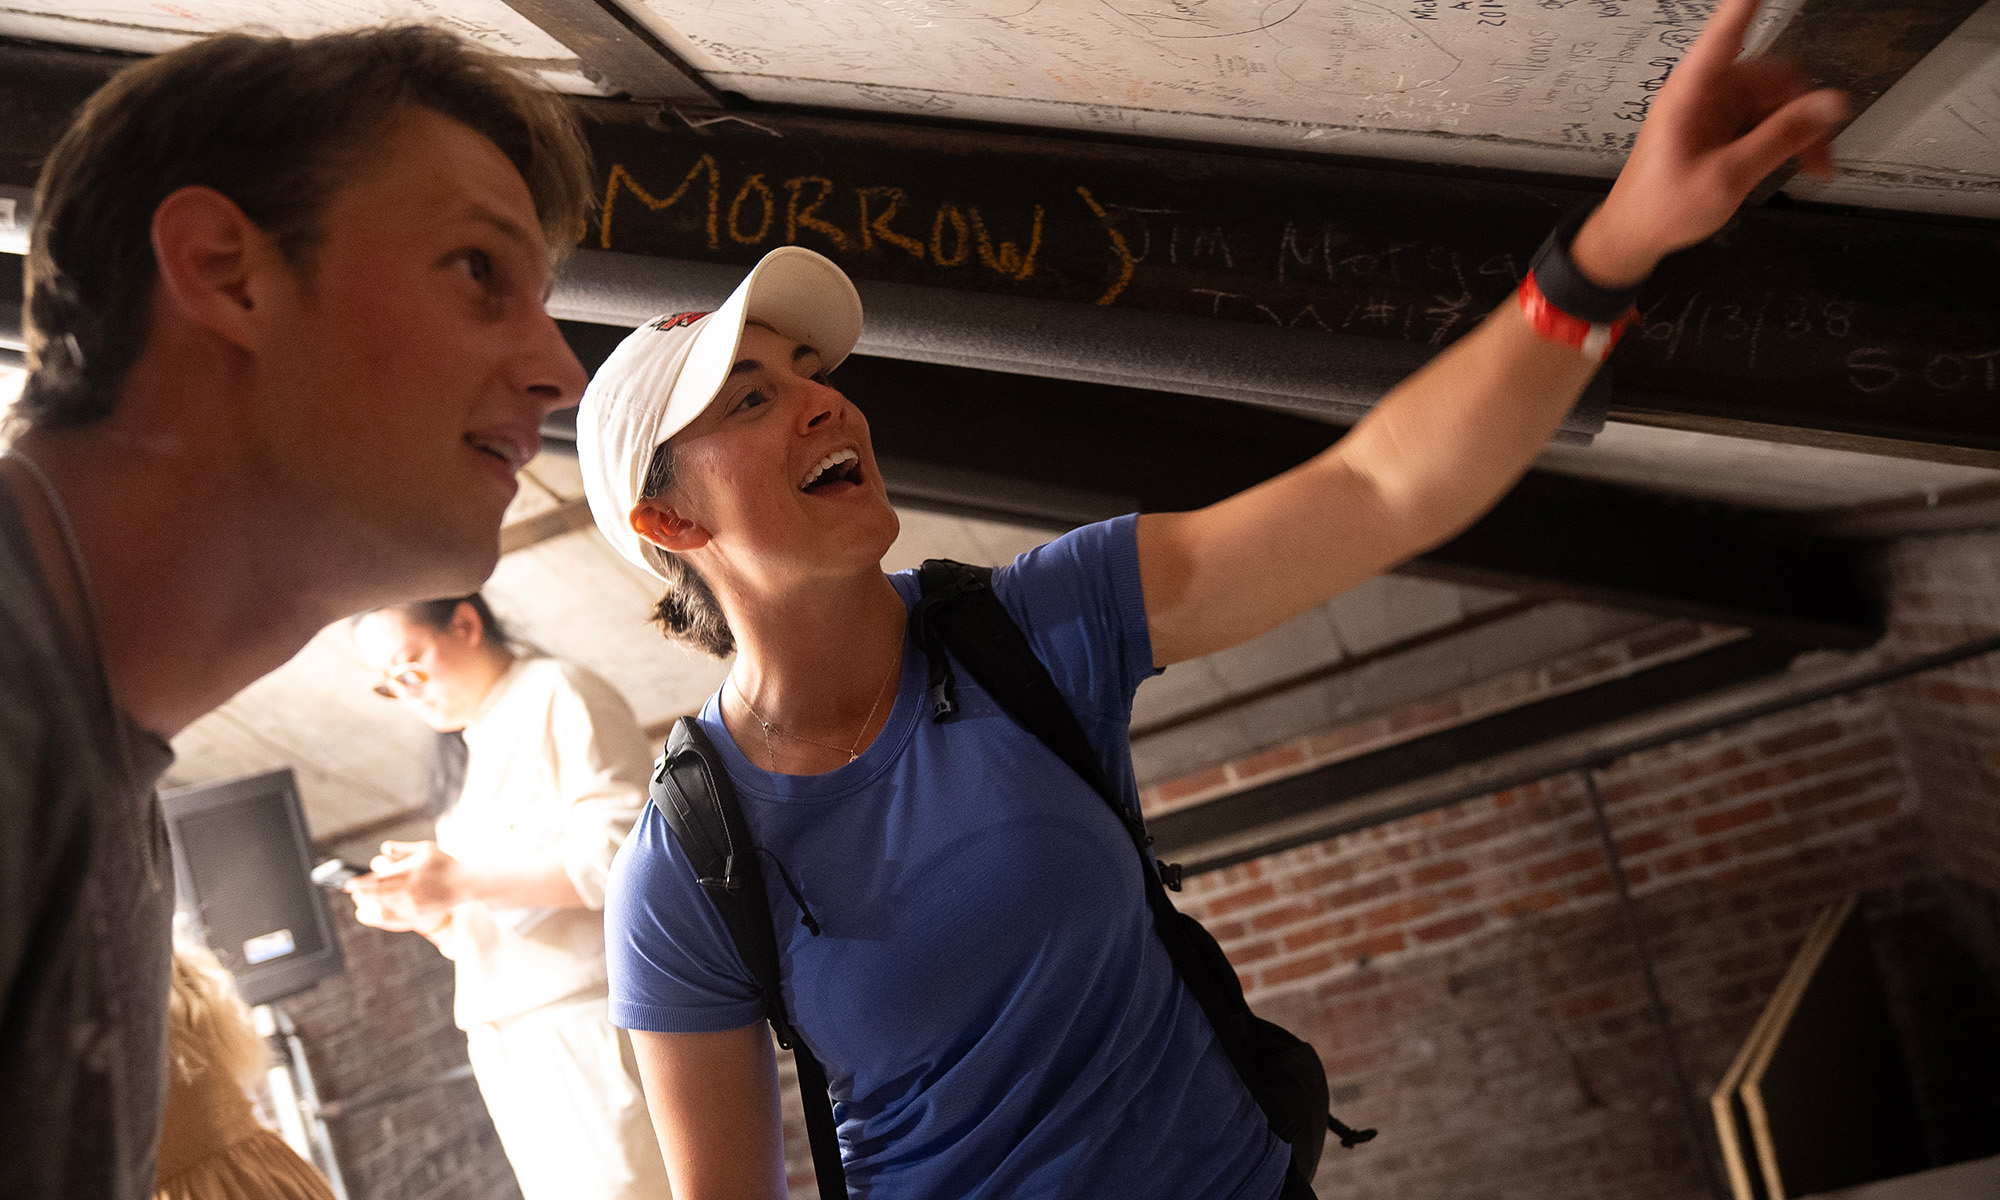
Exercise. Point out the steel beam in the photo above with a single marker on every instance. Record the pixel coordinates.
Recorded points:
(1117, 449)
(1876, 328)
(41, 87)
(1057, 453)
(1328, 376)
(1792, 322)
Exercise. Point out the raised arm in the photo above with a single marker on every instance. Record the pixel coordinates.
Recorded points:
(1446, 443)
(714, 1100)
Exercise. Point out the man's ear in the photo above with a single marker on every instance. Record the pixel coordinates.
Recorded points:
(209, 255)
(661, 525)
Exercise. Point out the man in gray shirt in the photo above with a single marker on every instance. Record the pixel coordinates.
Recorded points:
(288, 350)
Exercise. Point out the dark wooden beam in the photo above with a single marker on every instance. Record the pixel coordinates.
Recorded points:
(1861, 47)
(618, 50)
(1320, 674)
(1879, 329)
(567, 516)
(1691, 698)
(41, 87)
(1055, 453)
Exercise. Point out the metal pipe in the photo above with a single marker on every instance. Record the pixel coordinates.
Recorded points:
(1326, 376)
(309, 1100)
(1670, 1044)
(294, 1096)
(284, 1095)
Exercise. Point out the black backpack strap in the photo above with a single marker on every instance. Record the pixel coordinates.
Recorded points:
(695, 796)
(959, 615)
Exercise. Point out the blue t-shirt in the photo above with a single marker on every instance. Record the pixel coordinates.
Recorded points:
(996, 1016)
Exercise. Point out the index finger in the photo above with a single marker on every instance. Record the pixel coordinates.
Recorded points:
(387, 871)
(1721, 39)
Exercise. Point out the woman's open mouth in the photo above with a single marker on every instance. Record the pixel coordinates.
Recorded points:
(836, 473)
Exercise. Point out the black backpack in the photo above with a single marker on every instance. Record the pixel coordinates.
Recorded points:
(959, 616)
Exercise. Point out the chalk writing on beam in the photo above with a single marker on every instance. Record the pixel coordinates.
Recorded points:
(957, 231)
(1006, 258)
(1118, 247)
(1313, 249)
(877, 226)
(703, 165)
(1868, 370)
(1298, 268)
(770, 211)
(808, 217)
(1951, 372)
(961, 245)
(1874, 369)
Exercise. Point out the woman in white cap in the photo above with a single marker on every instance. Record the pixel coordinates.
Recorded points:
(994, 1012)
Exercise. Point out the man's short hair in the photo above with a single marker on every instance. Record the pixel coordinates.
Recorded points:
(275, 124)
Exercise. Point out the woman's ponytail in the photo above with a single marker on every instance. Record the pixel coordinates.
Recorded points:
(688, 611)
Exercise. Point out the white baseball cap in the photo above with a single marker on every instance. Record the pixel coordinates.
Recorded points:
(667, 372)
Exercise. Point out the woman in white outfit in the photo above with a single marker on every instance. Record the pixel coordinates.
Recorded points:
(512, 889)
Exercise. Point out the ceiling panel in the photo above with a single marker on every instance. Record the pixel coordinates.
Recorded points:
(1561, 84)
(140, 27)
(1545, 85)
(361, 759)
(1932, 142)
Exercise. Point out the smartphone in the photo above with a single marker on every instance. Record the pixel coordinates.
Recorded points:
(333, 874)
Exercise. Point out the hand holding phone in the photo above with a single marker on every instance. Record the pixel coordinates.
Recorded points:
(334, 873)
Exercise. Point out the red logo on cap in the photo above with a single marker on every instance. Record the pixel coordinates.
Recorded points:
(678, 320)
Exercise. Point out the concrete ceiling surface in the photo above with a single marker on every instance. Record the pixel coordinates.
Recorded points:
(1754, 473)
(360, 759)
(1931, 143)
(1553, 85)
(142, 27)
(1539, 85)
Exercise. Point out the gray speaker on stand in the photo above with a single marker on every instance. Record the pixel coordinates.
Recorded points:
(242, 869)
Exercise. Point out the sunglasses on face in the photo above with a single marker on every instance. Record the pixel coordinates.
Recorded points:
(399, 681)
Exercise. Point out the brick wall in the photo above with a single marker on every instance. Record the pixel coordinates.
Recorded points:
(384, 1051)
(1946, 590)
(1467, 980)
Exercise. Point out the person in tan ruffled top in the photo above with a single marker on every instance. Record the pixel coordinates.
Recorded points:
(211, 1146)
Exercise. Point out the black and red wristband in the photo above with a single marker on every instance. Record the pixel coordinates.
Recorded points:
(1565, 307)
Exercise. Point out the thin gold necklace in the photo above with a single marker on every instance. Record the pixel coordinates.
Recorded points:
(770, 727)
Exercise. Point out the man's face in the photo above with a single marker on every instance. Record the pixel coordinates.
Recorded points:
(407, 370)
